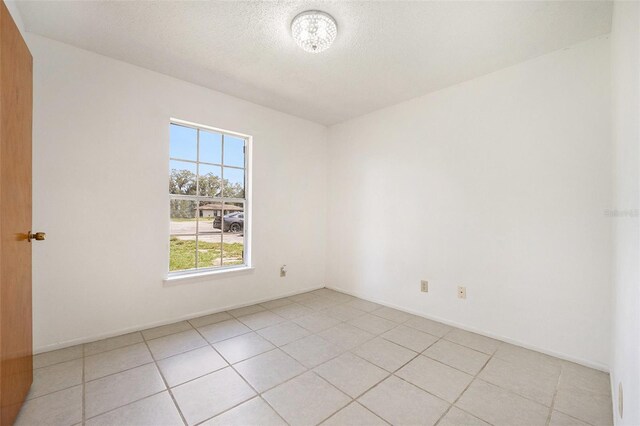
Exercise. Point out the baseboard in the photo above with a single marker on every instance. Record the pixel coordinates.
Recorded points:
(93, 338)
(560, 355)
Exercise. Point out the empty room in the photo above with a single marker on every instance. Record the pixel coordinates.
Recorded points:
(259, 213)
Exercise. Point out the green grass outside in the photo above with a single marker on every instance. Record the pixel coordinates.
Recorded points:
(182, 254)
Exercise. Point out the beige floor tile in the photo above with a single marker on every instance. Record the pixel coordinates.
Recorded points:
(340, 297)
(223, 330)
(306, 400)
(283, 333)
(590, 407)
(528, 381)
(384, 353)
(269, 369)
(276, 303)
(428, 326)
(364, 305)
(436, 378)
(318, 303)
(312, 350)
(303, 296)
(560, 419)
(401, 403)
(343, 312)
(247, 310)
(346, 336)
(584, 393)
(115, 361)
(119, 389)
(512, 353)
(501, 407)
(354, 414)
(175, 344)
(210, 319)
(60, 408)
(410, 338)
(112, 343)
(392, 314)
(190, 365)
(457, 417)
(585, 378)
(294, 310)
(351, 374)
(155, 410)
(242, 347)
(472, 340)
(165, 330)
(373, 324)
(465, 359)
(323, 291)
(210, 395)
(254, 412)
(56, 377)
(261, 320)
(316, 322)
(46, 359)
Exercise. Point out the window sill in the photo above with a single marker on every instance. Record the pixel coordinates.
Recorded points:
(206, 275)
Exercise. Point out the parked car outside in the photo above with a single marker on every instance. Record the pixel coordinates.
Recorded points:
(233, 222)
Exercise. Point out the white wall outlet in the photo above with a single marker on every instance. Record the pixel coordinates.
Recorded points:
(462, 292)
(283, 271)
(424, 286)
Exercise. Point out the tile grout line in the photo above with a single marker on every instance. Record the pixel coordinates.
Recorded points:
(553, 400)
(145, 340)
(257, 393)
(314, 311)
(475, 376)
(307, 369)
(166, 384)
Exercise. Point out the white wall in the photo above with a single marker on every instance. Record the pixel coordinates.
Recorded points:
(12, 7)
(100, 192)
(498, 184)
(625, 58)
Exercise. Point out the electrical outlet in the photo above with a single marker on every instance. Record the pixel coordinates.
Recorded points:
(462, 292)
(283, 271)
(424, 286)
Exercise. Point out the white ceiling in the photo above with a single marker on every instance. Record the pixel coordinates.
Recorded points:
(385, 52)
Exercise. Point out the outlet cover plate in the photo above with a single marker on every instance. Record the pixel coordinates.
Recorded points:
(462, 292)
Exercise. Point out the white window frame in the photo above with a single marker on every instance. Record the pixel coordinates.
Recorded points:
(198, 272)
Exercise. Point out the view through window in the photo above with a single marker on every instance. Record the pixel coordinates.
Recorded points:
(207, 190)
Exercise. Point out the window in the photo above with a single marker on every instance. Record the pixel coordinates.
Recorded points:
(207, 199)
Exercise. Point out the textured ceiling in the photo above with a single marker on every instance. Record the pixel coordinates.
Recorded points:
(385, 52)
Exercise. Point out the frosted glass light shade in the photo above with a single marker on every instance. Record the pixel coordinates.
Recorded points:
(314, 31)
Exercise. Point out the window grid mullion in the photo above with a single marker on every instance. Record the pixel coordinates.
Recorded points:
(222, 199)
(197, 192)
(222, 193)
(207, 163)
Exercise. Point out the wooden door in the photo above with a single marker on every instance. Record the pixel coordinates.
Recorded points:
(15, 218)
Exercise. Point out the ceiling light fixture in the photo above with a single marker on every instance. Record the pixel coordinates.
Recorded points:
(314, 31)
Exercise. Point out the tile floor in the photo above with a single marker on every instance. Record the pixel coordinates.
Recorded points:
(318, 357)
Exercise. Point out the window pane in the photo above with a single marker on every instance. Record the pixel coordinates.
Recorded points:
(182, 253)
(183, 217)
(233, 182)
(183, 142)
(209, 251)
(210, 147)
(233, 151)
(233, 235)
(209, 180)
(182, 178)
